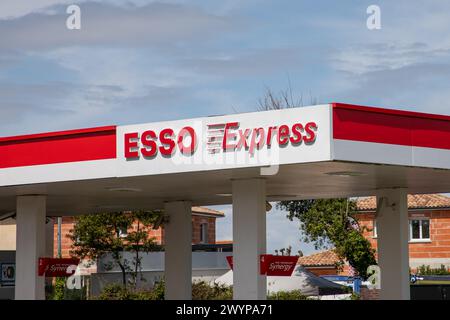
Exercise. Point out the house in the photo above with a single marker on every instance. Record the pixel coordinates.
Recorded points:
(324, 263)
(203, 231)
(429, 234)
(429, 228)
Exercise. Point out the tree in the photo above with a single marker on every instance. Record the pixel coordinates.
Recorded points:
(325, 222)
(332, 223)
(95, 235)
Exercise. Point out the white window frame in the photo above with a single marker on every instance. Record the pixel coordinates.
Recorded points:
(204, 232)
(421, 239)
(122, 233)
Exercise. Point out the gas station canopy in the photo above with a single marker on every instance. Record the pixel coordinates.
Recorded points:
(332, 150)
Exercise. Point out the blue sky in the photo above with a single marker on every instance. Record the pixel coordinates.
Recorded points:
(139, 61)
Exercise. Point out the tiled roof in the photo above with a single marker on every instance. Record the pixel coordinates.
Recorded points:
(207, 211)
(324, 258)
(224, 241)
(415, 201)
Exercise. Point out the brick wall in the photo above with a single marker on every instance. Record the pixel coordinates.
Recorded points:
(439, 247)
(66, 243)
(197, 221)
(369, 294)
(68, 223)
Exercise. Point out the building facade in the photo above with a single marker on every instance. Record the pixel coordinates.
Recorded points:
(429, 228)
(203, 231)
(429, 235)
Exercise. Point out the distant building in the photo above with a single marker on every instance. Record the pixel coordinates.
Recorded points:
(429, 228)
(203, 230)
(429, 234)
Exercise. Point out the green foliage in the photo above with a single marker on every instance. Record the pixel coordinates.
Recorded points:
(202, 290)
(428, 271)
(119, 292)
(332, 223)
(158, 291)
(287, 295)
(355, 296)
(58, 289)
(97, 234)
(55, 291)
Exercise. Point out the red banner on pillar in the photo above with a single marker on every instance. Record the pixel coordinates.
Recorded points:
(271, 265)
(53, 267)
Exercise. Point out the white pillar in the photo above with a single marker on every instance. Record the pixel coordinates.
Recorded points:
(178, 251)
(249, 238)
(393, 237)
(30, 245)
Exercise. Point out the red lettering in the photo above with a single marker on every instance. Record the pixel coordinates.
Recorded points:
(310, 128)
(269, 135)
(227, 135)
(189, 150)
(168, 145)
(150, 148)
(297, 135)
(251, 139)
(131, 144)
(243, 135)
(283, 135)
(259, 132)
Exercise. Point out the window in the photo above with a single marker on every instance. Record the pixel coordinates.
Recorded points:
(419, 229)
(204, 233)
(123, 232)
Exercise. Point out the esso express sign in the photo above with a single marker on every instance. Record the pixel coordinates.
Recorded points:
(227, 136)
(149, 143)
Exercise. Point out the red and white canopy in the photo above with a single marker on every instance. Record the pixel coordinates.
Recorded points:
(330, 150)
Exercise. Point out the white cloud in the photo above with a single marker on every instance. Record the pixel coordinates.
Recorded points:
(386, 56)
(11, 9)
(153, 25)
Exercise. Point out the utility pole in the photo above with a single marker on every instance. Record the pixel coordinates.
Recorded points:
(59, 237)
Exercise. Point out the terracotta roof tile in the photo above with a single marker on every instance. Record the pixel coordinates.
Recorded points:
(224, 241)
(207, 211)
(324, 258)
(415, 201)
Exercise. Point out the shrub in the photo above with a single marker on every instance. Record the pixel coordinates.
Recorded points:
(427, 270)
(58, 291)
(158, 291)
(287, 295)
(118, 292)
(202, 290)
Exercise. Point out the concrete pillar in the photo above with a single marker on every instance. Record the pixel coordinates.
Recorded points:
(393, 237)
(178, 251)
(30, 245)
(249, 238)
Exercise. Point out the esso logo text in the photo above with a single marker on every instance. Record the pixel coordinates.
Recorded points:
(166, 142)
(224, 137)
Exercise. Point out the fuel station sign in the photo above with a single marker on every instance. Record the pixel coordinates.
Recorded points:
(273, 265)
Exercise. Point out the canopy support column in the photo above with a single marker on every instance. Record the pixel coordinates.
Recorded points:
(393, 236)
(178, 251)
(249, 238)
